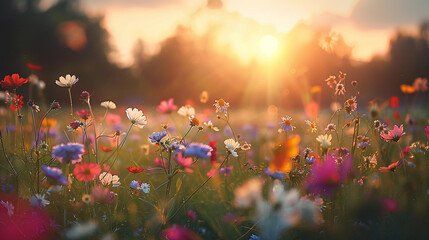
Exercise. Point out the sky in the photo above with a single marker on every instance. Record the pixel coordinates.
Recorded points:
(366, 25)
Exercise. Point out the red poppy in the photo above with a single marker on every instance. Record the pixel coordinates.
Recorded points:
(394, 101)
(135, 169)
(86, 171)
(84, 114)
(13, 82)
(105, 149)
(34, 66)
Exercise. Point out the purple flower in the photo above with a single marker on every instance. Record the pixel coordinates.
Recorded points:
(226, 171)
(157, 136)
(54, 173)
(328, 176)
(198, 150)
(134, 184)
(71, 152)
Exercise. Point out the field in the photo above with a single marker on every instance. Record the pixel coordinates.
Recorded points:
(83, 169)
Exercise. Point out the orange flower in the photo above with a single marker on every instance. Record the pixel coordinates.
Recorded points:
(407, 89)
(284, 153)
(49, 122)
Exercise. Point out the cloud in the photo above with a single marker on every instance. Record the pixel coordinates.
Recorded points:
(378, 14)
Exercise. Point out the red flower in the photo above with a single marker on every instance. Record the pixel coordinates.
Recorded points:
(105, 149)
(396, 116)
(135, 169)
(86, 171)
(15, 101)
(214, 152)
(394, 101)
(84, 114)
(13, 82)
(34, 66)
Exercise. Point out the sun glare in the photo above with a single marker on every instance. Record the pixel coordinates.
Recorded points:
(268, 45)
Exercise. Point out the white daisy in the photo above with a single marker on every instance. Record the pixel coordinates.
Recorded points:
(67, 81)
(136, 117)
(324, 140)
(186, 111)
(39, 201)
(231, 145)
(108, 105)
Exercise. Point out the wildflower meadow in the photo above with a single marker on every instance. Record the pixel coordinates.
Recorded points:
(81, 169)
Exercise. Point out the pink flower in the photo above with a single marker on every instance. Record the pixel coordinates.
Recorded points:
(102, 195)
(161, 163)
(166, 106)
(393, 135)
(177, 232)
(184, 161)
(191, 215)
(86, 171)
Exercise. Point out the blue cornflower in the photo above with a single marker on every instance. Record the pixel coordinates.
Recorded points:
(198, 150)
(157, 136)
(54, 173)
(71, 152)
(254, 237)
(275, 174)
(134, 184)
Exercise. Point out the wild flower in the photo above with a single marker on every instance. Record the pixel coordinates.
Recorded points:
(84, 114)
(283, 154)
(421, 84)
(342, 76)
(328, 176)
(331, 81)
(134, 184)
(393, 135)
(231, 145)
(183, 161)
(312, 125)
(363, 142)
(198, 150)
(324, 140)
(427, 131)
(221, 106)
(246, 146)
(331, 127)
(340, 89)
(73, 126)
(286, 124)
(102, 195)
(166, 106)
(70, 152)
(135, 169)
(106, 149)
(394, 102)
(136, 117)
(86, 171)
(12, 82)
(108, 105)
(157, 136)
(86, 198)
(54, 175)
(85, 96)
(67, 81)
(193, 121)
(14, 100)
(248, 193)
(350, 105)
(204, 96)
(145, 187)
(177, 232)
(186, 111)
(209, 124)
(109, 179)
(38, 201)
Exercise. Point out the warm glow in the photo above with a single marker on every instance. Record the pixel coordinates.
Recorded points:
(268, 45)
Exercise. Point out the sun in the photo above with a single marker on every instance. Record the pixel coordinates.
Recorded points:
(268, 45)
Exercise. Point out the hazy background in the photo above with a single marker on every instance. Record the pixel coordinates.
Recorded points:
(144, 51)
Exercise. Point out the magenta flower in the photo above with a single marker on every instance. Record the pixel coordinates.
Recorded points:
(328, 176)
(427, 131)
(184, 161)
(177, 232)
(393, 135)
(166, 106)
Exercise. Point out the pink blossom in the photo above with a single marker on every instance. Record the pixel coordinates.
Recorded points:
(393, 135)
(166, 106)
